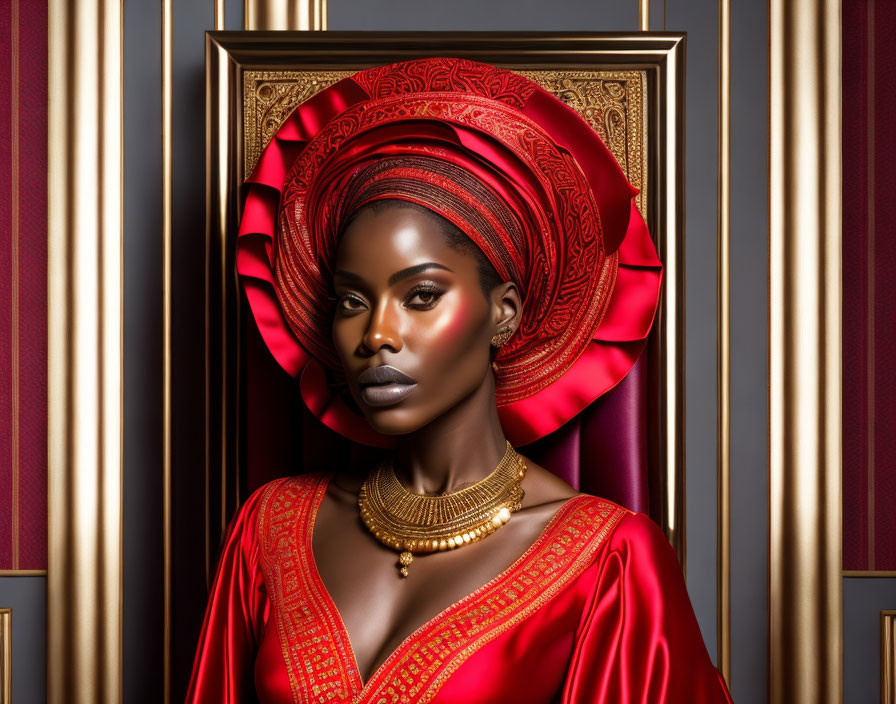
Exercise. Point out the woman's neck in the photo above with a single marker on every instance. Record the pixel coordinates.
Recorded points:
(459, 448)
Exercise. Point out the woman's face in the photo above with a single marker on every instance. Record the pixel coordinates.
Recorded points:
(412, 325)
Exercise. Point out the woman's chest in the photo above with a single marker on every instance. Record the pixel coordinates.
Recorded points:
(519, 626)
(503, 646)
(378, 608)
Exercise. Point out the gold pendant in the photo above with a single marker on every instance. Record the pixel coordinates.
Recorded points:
(405, 559)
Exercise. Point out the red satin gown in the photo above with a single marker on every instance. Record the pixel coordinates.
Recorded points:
(594, 611)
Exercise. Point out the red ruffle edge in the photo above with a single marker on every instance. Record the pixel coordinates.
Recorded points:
(616, 345)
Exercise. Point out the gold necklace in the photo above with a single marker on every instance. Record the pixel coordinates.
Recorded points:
(419, 523)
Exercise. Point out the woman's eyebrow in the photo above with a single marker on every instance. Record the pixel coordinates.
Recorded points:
(397, 276)
(343, 274)
(414, 270)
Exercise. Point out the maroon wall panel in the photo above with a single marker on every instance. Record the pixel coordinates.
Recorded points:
(869, 286)
(23, 284)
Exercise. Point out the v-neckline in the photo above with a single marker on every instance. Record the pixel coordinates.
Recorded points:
(330, 604)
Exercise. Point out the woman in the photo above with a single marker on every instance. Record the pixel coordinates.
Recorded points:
(446, 250)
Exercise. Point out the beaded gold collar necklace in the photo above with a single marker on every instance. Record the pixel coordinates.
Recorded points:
(419, 523)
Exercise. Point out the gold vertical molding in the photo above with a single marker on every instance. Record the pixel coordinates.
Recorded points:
(888, 657)
(14, 282)
(723, 272)
(5, 656)
(805, 586)
(286, 14)
(219, 14)
(167, 96)
(644, 15)
(84, 577)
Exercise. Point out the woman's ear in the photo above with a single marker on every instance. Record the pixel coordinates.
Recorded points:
(507, 307)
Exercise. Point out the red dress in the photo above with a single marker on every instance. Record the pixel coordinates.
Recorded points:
(594, 611)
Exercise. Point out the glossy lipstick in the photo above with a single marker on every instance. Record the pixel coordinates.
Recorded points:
(384, 386)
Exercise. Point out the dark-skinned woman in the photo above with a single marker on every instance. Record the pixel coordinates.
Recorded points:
(450, 262)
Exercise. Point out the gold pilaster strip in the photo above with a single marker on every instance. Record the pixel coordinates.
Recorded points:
(723, 272)
(14, 448)
(888, 657)
(5, 656)
(644, 15)
(285, 14)
(219, 14)
(167, 98)
(84, 579)
(805, 585)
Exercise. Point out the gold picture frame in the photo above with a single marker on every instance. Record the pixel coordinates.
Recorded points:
(253, 80)
(290, 66)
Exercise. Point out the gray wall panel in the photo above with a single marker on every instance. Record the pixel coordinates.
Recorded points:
(142, 511)
(27, 597)
(233, 14)
(699, 18)
(749, 338)
(190, 20)
(863, 600)
(584, 15)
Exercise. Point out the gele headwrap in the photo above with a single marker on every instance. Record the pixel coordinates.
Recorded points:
(510, 165)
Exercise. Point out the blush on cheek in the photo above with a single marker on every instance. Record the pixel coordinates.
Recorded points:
(460, 321)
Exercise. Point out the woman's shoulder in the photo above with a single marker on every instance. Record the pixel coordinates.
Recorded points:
(303, 485)
(614, 527)
(625, 533)
(277, 496)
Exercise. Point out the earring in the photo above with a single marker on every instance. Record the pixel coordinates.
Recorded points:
(502, 337)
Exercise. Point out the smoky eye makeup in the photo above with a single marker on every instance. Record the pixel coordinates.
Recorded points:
(423, 295)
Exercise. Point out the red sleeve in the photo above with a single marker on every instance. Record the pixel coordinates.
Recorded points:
(639, 640)
(223, 671)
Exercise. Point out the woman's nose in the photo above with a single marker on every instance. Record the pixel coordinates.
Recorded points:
(382, 330)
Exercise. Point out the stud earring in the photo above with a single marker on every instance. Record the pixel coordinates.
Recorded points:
(502, 337)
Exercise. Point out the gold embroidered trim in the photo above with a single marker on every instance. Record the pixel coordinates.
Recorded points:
(315, 644)
(421, 666)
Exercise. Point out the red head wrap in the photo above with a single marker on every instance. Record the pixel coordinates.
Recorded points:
(511, 166)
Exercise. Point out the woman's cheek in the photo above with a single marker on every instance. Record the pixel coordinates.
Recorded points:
(459, 321)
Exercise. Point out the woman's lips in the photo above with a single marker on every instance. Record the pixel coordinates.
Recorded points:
(384, 385)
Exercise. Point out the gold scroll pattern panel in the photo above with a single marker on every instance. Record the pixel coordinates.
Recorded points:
(612, 102)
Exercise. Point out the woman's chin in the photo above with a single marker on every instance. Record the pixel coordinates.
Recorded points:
(393, 420)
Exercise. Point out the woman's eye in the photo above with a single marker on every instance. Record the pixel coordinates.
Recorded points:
(351, 303)
(423, 298)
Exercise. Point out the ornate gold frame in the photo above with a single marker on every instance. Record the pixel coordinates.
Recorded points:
(232, 56)
(237, 60)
